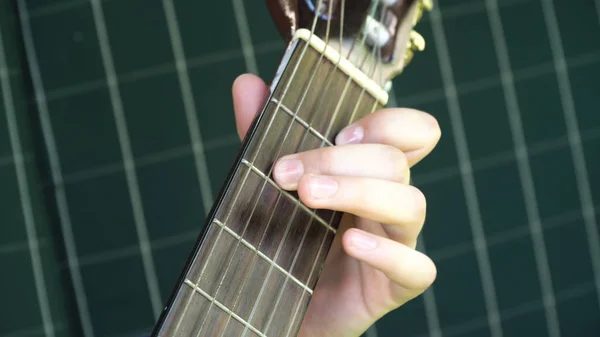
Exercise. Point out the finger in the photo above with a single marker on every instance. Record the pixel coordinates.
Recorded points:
(398, 205)
(249, 94)
(414, 132)
(412, 271)
(363, 160)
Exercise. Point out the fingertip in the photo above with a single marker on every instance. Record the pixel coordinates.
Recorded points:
(424, 271)
(249, 93)
(410, 269)
(287, 172)
(415, 132)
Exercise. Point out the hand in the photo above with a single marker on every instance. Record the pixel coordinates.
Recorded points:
(372, 267)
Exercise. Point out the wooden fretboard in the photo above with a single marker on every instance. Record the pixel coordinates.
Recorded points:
(253, 271)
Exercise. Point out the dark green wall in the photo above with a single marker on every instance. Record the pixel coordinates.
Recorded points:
(519, 154)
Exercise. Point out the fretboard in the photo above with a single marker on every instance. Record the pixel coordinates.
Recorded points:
(254, 269)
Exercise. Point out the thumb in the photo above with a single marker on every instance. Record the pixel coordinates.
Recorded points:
(249, 95)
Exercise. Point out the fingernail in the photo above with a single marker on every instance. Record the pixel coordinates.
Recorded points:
(350, 135)
(288, 172)
(322, 187)
(362, 241)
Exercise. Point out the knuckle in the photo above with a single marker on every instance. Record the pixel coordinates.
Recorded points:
(326, 159)
(397, 162)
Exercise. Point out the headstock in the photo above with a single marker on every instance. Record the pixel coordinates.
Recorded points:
(376, 36)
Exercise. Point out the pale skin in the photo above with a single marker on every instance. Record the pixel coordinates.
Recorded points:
(372, 267)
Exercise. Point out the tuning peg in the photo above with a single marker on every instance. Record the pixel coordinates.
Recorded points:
(424, 5)
(416, 43)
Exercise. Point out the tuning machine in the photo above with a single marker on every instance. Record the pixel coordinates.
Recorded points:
(422, 6)
(416, 42)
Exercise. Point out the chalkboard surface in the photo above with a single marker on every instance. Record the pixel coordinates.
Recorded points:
(88, 179)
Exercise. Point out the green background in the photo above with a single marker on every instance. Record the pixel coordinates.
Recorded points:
(510, 159)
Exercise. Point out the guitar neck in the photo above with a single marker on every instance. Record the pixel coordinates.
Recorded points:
(258, 260)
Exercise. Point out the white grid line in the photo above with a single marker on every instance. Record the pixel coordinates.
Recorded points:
(241, 20)
(453, 11)
(56, 8)
(160, 70)
(189, 106)
(429, 302)
(463, 248)
(130, 170)
(288, 195)
(372, 331)
(428, 97)
(148, 160)
(56, 172)
(471, 7)
(444, 254)
(598, 10)
(570, 115)
(434, 176)
(24, 194)
(12, 158)
(20, 246)
(263, 256)
(33, 331)
(504, 158)
(223, 307)
(428, 178)
(574, 293)
(468, 180)
(433, 95)
(524, 167)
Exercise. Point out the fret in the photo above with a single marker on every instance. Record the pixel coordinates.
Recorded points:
(263, 256)
(283, 137)
(219, 318)
(230, 298)
(277, 227)
(287, 194)
(222, 307)
(198, 309)
(317, 90)
(331, 53)
(301, 121)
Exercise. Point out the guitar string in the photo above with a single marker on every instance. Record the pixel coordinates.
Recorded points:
(318, 106)
(295, 210)
(320, 250)
(279, 194)
(265, 181)
(325, 236)
(188, 302)
(338, 107)
(275, 258)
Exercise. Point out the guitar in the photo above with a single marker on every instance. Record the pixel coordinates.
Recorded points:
(256, 263)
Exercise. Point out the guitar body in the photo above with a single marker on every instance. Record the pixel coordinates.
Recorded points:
(253, 269)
